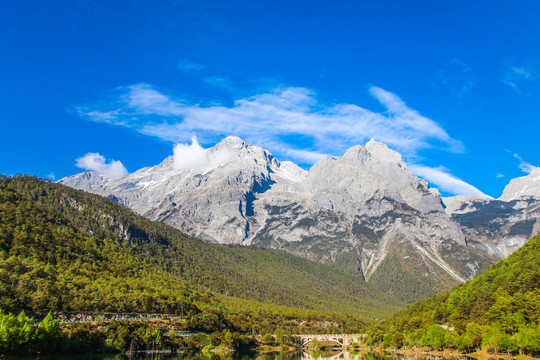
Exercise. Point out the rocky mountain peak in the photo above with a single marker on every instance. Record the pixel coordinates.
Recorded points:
(233, 142)
(384, 153)
(523, 186)
(494, 228)
(292, 172)
(364, 211)
(374, 155)
(229, 158)
(89, 181)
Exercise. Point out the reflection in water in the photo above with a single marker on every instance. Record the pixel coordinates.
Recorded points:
(320, 355)
(343, 355)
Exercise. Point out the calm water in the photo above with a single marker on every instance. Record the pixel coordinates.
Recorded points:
(332, 355)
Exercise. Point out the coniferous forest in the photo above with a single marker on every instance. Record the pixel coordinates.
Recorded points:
(65, 252)
(498, 311)
(70, 252)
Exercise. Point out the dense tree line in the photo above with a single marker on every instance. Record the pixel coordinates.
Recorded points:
(19, 334)
(64, 250)
(22, 335)
(54, 221)
(498, 311)
(47, 264)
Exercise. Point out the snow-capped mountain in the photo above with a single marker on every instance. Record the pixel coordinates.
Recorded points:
(363, 211)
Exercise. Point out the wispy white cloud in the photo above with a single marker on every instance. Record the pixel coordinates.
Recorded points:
(500, 176)
(521, 72)
(290, 122)
(273, 118)
(445, 181)
(523, 165)
(219, 82)
(51, 176)
(187, 65)
(141, 99)
(96, 162)
(410, 121)
(456, 78)
(516, 76)
(100, 116)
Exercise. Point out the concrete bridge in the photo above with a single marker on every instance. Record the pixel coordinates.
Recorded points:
(341, 340)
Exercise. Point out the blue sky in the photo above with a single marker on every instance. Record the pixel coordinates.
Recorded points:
(452, 85)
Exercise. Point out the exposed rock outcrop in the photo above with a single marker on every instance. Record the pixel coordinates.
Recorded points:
(363, 212)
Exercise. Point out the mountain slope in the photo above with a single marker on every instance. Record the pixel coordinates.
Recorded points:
(267, 276)
(498, 309)
(47, 263)
(494, 228)
(364, 212)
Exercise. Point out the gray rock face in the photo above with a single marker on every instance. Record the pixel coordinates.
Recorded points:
(364, 205)
(214, 202)
(363, 211)
(525, 186)
(494, 228)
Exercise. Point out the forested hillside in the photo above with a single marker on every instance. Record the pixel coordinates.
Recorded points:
(48, 264)
(498, 310)
(66, 250)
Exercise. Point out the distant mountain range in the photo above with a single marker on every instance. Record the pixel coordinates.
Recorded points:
(497, 227)
(363, 212)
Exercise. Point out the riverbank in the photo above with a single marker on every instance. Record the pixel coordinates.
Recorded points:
(485, 355)
(422, 352)
(454, 354)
